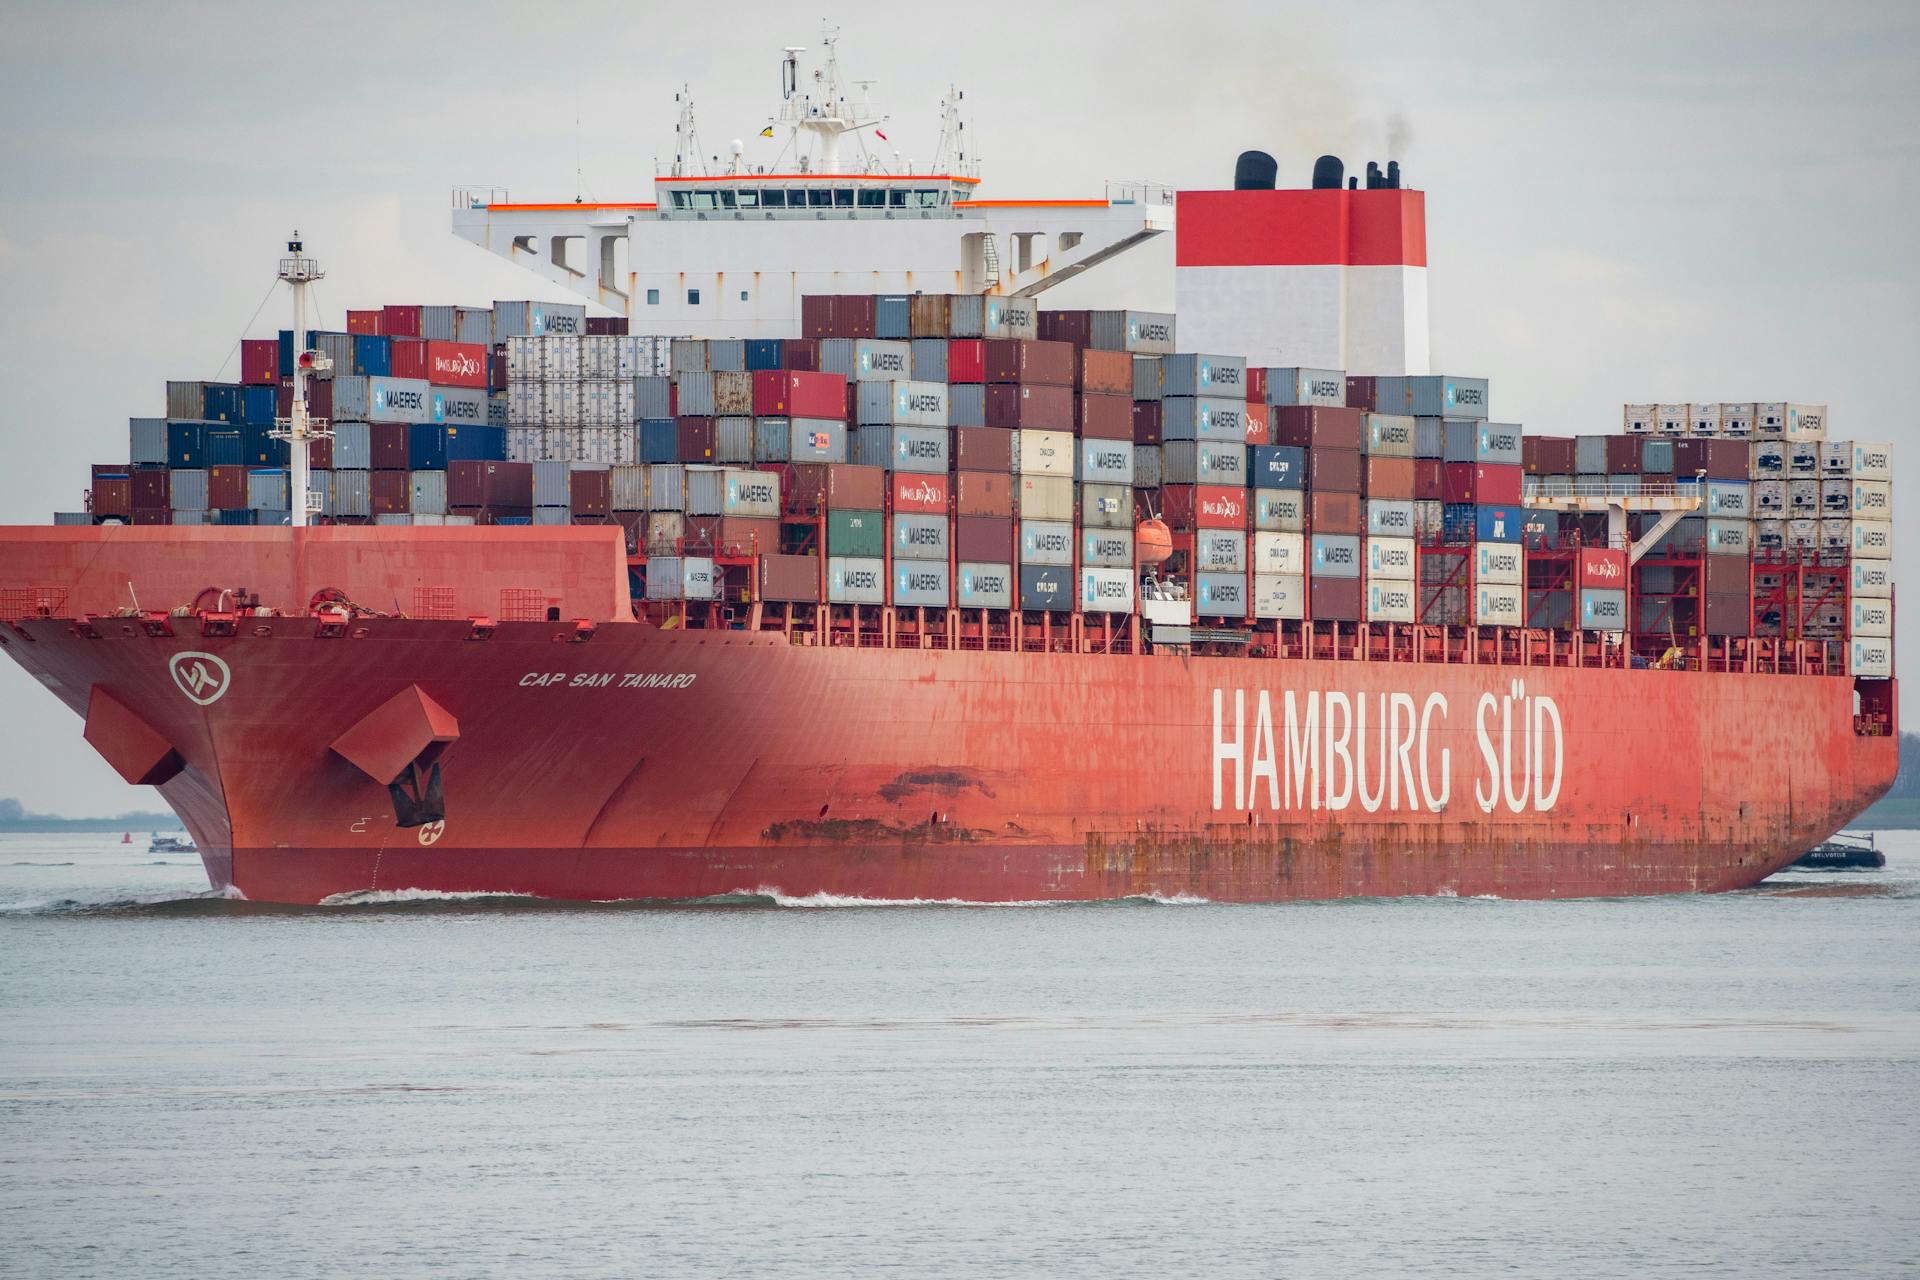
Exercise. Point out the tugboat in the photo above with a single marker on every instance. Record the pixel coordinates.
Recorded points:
(170, 844)
(1843, 853)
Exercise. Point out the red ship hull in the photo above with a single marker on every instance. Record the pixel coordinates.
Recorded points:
(646, 763)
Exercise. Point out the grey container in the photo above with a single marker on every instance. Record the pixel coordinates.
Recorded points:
(856, 580)
(337, 347)
(772, 440)
(733, 439)
(967, 404)
(534, 319)
(706, 491)
(187, 491)
(1046, 542)
(652, 397)
(1146, 377)
(919, 537)
(817, 440)
(427, 493)
(1104, 462)
(695, 394)
(1590, 455)
(352, 447)
(628, 481)
(902, 403)
(689, 355)
(551, 487)
(352, 493)
(1141, 332)
(1220, 418)
(1434, 395)
(1220, 551)
(186, 399)
(1390, 435)
(1472, 440)
(1220, 595)
(1106, 548)
(667, 487)
(1106, 506)
(497, 410)
(548, 516)
(1656, 457)
(681, 578)
(983, 585)
(267, 489)
(922, 584)
(892, 315)
(178, 517)
(1204, 462)
(929, 359)
(1429, 437)
(1335, 555)
(1324, 387)
(727, 355)
(924, 450)
(320, 485)
(871, 447)
(1146, 466)
(1203, 375)
(147, 442)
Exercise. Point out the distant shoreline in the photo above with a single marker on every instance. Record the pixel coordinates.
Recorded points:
(54, 826)
(1896, 813)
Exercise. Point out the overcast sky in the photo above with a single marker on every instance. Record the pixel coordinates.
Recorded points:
(1625, 202)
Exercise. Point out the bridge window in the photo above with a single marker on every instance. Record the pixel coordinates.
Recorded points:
(679, 199)
(873, 198)
(703, 201)
(819, 198)
(774, 198)
(726, 199)
(897, 199)
(693, 297)
(743, 295)
(843, 198)
(927, 199)
(749, 199)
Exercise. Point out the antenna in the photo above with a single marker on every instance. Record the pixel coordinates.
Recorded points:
(297, 429)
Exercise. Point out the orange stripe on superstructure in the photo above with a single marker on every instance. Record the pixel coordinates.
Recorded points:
(570, 204)
(826, 177)
(1030, 204)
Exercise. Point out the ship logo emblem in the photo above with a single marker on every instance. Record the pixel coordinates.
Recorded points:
(201, 676)
(431, 832)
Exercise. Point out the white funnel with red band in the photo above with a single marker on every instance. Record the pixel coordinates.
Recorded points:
(1322, 279)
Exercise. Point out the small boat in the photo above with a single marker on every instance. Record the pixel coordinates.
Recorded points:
(171, 844)
(1843, 853)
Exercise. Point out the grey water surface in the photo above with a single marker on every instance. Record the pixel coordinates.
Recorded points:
(191, 1087)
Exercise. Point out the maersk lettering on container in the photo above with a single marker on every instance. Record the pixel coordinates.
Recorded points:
(881, 360)
(1046, 542)
(1390, 602)
(1203, 375)
(1869, 577)
(1872, 461)
(1872, 500)
(1220, 550)
(1390, 518)
(1106, 461)
(1603, 610)
(1106, 590)
(1390, 435)
(1499, 606)
(1499, 562)
(1296, 386)
(1390, 559)
(921, 449)
(1220, 418)
(1010, 318)
(1336, 555)
(920, 583)
(1872, 617)
(1220, 595)
(856, 580)
(1280, 510)
(1870, 656)
(919, 537)
(1106, 548)
(979, 585)
(459, 406)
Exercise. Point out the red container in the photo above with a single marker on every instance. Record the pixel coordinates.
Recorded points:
(1146, 422)
(1105, 373)
(1486, 483)
(1429, 480)
(227, 488)
(1333, 599)
(1204, 506)
(813, 487)
(1360, 392)
(260, 362)
(590, 493)
(967, 360)
(1390, 478)
(1256, 387)
(738, 535)
(790, 578)
(986, 539)
(363, 322)
(800, 355)
(387, 443)
(1720, 459)
(853, 315)
(918, 492)
(400, 322)
(494, 485)
(409, 358)
(319, 397)
(983, 449)
(799, 394)
(454, 364)
(607, 326)
(1604, 569)
(1329, 511)
(817, 315)
(390, 493)
(152, 515)
(1334, 470)
(983, 493)
(695, 439)
(1067, 326)
(1723, 575)
(1259, 423)
(1623, 455)
(1030, 361)
(283, 398)
(1029, 406)
(1316, 427)
(497, 367)
(1726, 615)
(1106, 417)
(151, 488)
(1547, 455)
(320, 453)
(113, 496)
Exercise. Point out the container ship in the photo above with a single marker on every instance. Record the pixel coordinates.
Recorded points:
(810, 553)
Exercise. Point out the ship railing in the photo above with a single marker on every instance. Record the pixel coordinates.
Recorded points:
(1139, 191)
(478, 197)
(1610, 487)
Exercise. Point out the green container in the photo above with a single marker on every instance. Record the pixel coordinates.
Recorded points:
(856, 533)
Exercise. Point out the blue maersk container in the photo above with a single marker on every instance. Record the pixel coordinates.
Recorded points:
(372, 356)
